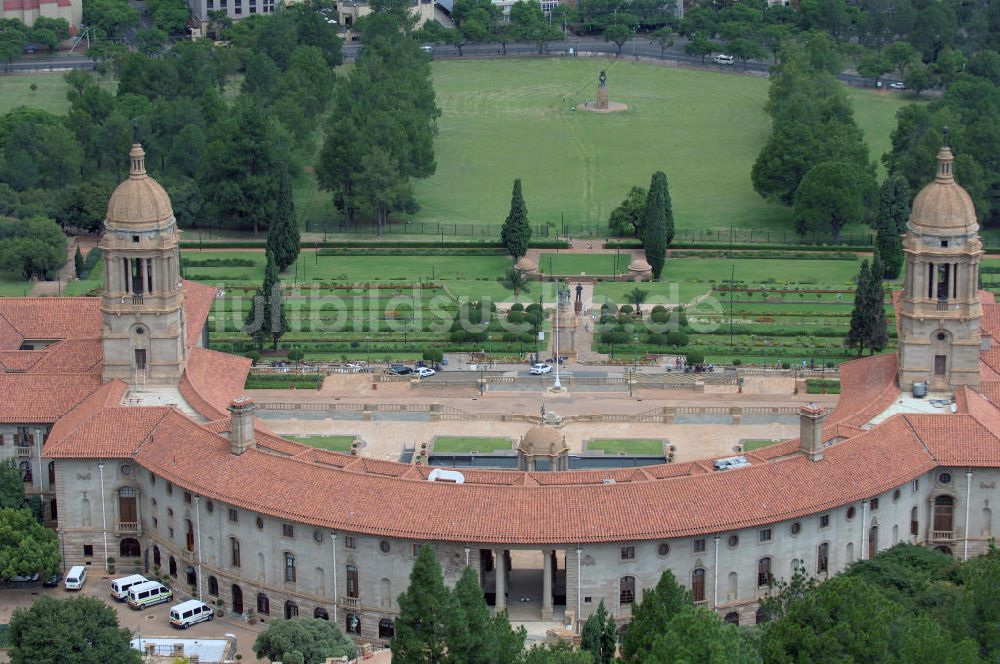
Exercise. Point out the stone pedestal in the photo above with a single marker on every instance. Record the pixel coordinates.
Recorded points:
(602, 99)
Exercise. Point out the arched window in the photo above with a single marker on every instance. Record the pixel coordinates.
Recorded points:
(764, 571)
(289, 567)
(386, 629)
(626, 590)
(25, 467)
(156, 555)
(237, 599)
(85, 511)
(385, 593)
(320, 612)
(173, 567)
(263, 604)
(732, 618)
(129, 548)
(850, 552)
(872, 542)
(213, 586)
(895, 534)
(352, 581)
(353, 622)
(234, 552)
(53, 512)
(698, 584)
(944, 512)
(191, 575)
(823, 558)
(188, 534)
(52, 473)
(291, 610)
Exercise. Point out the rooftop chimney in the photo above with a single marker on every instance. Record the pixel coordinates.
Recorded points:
(241, 424)
(811, 419)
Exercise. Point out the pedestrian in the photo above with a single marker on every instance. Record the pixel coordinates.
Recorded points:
(543, 411)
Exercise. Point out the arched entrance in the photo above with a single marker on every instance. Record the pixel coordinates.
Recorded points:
(173, 567)
(291, 610)
(191, 576)
(129, 548)
(944, 517)
(237, 599)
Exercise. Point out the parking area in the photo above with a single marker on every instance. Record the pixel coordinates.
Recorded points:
(152, 622)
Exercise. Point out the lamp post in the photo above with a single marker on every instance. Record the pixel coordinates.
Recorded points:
(104, 515)
(369, 340)
(557, 384)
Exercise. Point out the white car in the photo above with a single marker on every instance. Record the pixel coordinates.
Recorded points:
(897, 86)
(539, 369)
(425, 372)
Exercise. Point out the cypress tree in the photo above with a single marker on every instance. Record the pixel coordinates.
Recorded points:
(878, 334)
(650, 614)
(283, 239)
(862, 316)
(657, 233)
(516, 232)
(266, 319)
(425, 612)
(78, 263)
(890, 224)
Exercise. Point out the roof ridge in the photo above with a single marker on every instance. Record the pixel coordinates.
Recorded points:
(923, 444)
(156, 425)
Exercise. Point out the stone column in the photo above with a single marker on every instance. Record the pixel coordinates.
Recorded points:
(501, 579)
(547, 585)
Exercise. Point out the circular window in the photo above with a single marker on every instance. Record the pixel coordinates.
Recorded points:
(140, 330)
(796, 528)
(941, 336)
(318, 535)
(850, 513)
(126, 469)
(944, 478)
(733, 540)
(895, 495)
(383, 546)
(210, 506)
(663, 549)
(260, 523)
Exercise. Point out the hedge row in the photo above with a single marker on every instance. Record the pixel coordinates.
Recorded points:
(283, 381)
(756, 246)
(401, 244)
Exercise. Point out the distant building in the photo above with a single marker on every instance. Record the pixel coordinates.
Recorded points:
(27, 11)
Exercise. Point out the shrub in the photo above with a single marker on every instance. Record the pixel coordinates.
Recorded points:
(614, 337)
(695, 357)
(517, 306)
(433, 355)
(677, 339)
(657, 309)
(626, 309)
(785, 365)
(737, 362)
(515, 317)
(659, 339)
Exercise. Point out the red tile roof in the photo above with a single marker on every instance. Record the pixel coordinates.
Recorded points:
(50, 318)
(211, 380)
(37, 398)
(198, 299)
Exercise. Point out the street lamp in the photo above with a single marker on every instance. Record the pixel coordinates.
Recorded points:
(369, 340)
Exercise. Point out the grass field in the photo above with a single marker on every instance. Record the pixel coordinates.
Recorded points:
(703, 129)
(15, 90)
(323, 442)
(750, 444)
(465, 444)
(643, 446)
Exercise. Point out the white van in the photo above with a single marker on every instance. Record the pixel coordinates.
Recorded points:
(147, 594)
(75, 577)
(119, 587)
(190, 612)
(723, 59)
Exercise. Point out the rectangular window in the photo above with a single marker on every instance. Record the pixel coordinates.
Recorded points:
(211, 4)
(764, 535)
(88, 550)
(171, 532)
(234, 552)
(915, 486)
(628, 553)
(187, 497)
(233, 516)
(874, 504)
(824, 521)
(416, 549)
(699, 546)
(289, 568)
(287, 530)
(351, 543)
(156, 522)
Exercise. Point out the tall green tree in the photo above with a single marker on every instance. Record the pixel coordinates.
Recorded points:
(650, 614)
(599, 635)
(78, 262)
(81, 630)
(516, 232)
(283, 239)
(425, 610)
(890, 224)
(266, 320)
(698, 635)
(658, 223)
(475, 637)
(310, 640)
(832, 195)
(627, 218)
(26, 546)
(868, 323)
(878, 337)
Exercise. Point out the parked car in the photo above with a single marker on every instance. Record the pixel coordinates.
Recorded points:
(400, 370)
(24, 580)
(425, 372)
(53, 580)
(188, 613)
(896, 85)
(539, 369)
(355, 367)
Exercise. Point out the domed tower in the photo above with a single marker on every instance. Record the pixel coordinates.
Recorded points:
(142, 303)
(939, 340)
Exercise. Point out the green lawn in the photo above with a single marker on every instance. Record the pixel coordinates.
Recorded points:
(12, 286)
(465, 444)
(503, 119)
(643, 446)
(15, 90)
(750, 444)
(324, 442)
(591, 264)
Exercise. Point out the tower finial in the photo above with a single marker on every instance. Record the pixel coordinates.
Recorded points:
(137, 161)
(945, 131)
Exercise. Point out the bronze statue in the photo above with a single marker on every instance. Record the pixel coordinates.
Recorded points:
(603, 78)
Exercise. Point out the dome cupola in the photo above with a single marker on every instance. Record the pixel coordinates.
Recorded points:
(943, 207)
(139, 202)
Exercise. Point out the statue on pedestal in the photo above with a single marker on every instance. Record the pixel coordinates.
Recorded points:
(602, 91)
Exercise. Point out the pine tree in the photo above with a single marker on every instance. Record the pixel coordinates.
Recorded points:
(890, 224)
(266, 319)
(283, 239)
(425, 612)
(650, 614)
(657, 231)
(78, 263)
(878, 334)
(516, 232)
(867, 323)
(475, 637)
(599, 635)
